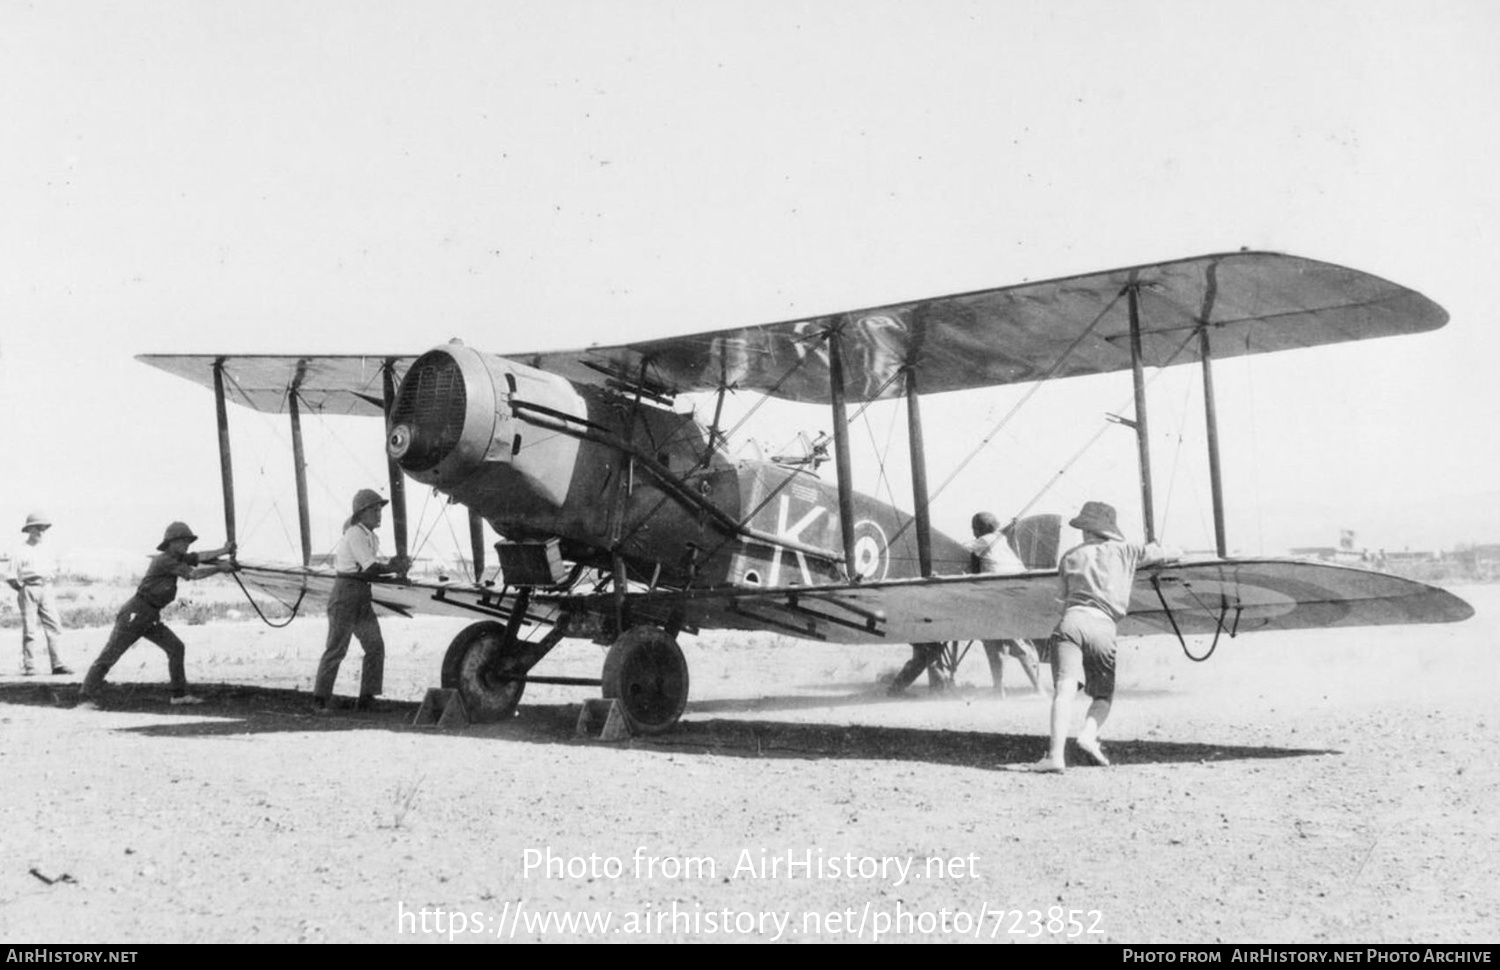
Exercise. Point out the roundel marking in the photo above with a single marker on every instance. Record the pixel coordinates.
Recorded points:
(872, 550)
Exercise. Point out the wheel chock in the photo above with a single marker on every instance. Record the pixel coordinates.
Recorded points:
(442, 707)
(605, 715)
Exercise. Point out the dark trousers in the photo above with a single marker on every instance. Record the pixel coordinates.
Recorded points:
(351, 614)
(138, 620)
(923, 657)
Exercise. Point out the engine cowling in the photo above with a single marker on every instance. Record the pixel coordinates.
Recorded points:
(454, 427)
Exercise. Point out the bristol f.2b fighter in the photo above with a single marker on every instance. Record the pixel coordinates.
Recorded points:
(628, 522)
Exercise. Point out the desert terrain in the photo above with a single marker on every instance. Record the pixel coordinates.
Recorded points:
(1322, 786)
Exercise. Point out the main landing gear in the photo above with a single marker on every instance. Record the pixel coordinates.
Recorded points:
(644, 670)
(647, 673)
(488, 668)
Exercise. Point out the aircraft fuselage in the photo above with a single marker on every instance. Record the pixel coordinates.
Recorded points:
(539, 457)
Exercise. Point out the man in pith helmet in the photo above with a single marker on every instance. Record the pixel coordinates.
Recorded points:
(141, 615)
(33, 569)
(351, 609)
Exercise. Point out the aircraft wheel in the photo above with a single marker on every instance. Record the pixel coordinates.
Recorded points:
(471, 665)
(646, 671)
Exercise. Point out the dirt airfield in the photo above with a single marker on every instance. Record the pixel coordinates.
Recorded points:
(1324, 786)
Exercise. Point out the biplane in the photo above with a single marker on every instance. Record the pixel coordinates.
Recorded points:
(628, 522)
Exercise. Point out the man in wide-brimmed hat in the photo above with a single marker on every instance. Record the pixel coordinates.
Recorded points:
(32, 570)
(351, 608)
(1096, 579)
(141, 615)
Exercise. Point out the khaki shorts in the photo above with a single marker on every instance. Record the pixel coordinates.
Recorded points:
(1083, 652)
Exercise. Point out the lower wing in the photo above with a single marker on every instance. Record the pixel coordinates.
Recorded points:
(306, 591)
(1235, 596)
(1230, 596)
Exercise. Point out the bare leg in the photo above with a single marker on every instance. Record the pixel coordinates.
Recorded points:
(1062, 713)
(1025, 651)
(994, 650)
(1067, 661)
(1088, 737)
(1094, 720)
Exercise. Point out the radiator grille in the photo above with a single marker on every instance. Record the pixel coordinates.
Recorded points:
(432, 403)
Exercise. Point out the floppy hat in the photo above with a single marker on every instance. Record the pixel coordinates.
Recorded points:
(177, 530)
(1097, 517)
(37, 520)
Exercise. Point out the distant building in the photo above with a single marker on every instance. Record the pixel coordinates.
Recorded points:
(1337, 554)
(1480, 561)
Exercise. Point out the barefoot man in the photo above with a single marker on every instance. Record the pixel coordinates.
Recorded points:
(1096, 579)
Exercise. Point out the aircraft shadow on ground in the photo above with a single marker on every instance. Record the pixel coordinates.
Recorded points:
(233, 710)
(862, 694)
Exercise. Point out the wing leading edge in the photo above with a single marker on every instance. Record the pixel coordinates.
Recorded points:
(328, 384)
(1243, 595)
(309, 590)
(1239, 596)
(1252, 302)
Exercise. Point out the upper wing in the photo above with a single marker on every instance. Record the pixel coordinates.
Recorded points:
(329, 384)
(1252, 302)
(1239, 595)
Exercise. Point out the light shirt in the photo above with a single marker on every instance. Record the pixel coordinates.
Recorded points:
(1099, 575)
(357, 551)
(33, 565)
(995, 554)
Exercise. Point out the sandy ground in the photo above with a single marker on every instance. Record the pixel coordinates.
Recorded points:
(1328, 786)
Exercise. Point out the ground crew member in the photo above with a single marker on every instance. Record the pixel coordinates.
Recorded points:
(33, 570)
(141, 614)
(924, 656)
(1096, 579)
(351, 611)
(990, 552)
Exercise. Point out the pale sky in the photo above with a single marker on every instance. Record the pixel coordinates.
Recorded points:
(204, 177)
